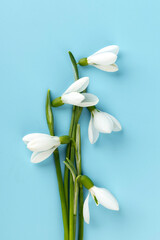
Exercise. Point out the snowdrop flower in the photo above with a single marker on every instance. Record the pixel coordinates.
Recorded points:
(103, 59)
(101, 196)
(43, 145)
(101, 122)
(73, 95)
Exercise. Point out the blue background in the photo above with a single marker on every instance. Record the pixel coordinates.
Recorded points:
(35, 38)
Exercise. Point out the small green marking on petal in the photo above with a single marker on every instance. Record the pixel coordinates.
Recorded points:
(95, 199)
(91, 109)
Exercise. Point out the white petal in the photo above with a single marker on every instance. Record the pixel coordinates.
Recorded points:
(93, 134)
(116, 125)
(102, 122)
(108, 68)
(86, 214)
(38, 157)
(105, 58)
(32, 136)
(73, 98)
(78, 86)
(89, 100)
(112, 48)
(43, 144)
(105, 198)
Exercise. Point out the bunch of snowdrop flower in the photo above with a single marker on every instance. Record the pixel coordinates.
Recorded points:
(44, 145)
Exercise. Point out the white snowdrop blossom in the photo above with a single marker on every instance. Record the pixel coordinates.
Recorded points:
(42, 145)
(101, 196)
(73, 95)
(101, 122)
(103, 59)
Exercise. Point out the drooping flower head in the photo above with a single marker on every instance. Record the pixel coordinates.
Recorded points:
(101, 122)
(74, 95)
(100, 196)
(43, 145)
(103, 59)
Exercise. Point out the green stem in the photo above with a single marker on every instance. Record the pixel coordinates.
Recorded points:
(50, 122)
(71, 205)
(70, 154)
(73, 189)
(80, 233)
(78, 189)
(61, 192)
(72, 216)
(76, 192)
(78, 141)
(66, 171)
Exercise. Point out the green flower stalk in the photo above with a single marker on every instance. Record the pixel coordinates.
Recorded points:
(49, 117)
(71, 151)
(78, 187)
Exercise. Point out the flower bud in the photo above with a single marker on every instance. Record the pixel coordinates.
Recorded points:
(83, 62)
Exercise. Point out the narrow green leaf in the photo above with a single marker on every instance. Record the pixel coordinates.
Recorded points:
(74, 64)
(72, 165)
(49, 114)
(71, 170)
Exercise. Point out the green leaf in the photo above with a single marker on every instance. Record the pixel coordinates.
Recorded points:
(74, 64)
(71, 167)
